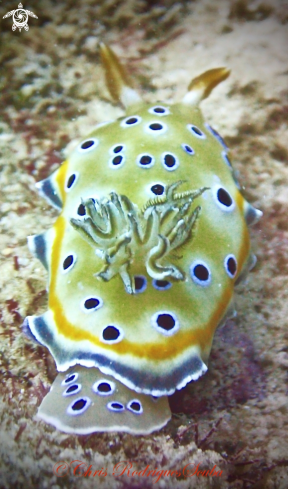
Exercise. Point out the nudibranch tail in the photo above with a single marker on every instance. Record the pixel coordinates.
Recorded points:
(88, 401)
(117, 79)
(201, 86)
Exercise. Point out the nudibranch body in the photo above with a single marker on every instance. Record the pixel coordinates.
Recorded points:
(142, 261)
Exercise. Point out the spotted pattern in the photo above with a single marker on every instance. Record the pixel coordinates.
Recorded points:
(117, 161)
(155, 127)
(79, 406)
(72, 390)
(161, 284)
(88, 145)
(140, 283)
(91, 304)
(112, 334)
(145, 160)
(165, 322)
(158, 189)
(117, 148)
(135, 406)
(117, 407)
(72, 179)
(188, 149)
(130, 121)
(70, 379)
(200, 273)
(159, 110)
(223, 198)
(169, 161)
(69, 262)
(196, 131)
(230, 264)
(104, 387)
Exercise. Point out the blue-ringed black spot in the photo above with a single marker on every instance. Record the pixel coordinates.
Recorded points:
(165, 322)
(157, 189)
(68, 262)
(72, 390)
(71, 180)
(111, 334)
(91, 303)
(140, 283)
(196, 131)
(200, 273)
(187, 148)
(156, 126)
(159, 110)
(117, 160)
(81, 210)
(131, 121)
(224, 197)
(162, 284)
(115, 406)
(230, 265)
(87, 144)
(135, 406)
(104, 387)
(71, 378)
(169, 161)
(79, 406)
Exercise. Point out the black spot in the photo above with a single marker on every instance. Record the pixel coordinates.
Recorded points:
(224, 198)
(165, 321)
(91, 303)
(145, 160)
(72, 388)
(81, 210)
(87, 144)
(201, 272)
(155, 126)
(159, 110)
(157, 189)
(188, 149)
(169, 160)
(117, 160)
(71, 180)
(117, 149)
(69, 379)
(140, 283)
(110, 333)
(131, 121)
(68, 262)
(162, 284)
(116, 406)
(231, 265)
(197, 131)
(104, 387)
(135, 406)
(79, 405)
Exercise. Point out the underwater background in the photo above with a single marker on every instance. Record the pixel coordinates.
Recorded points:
(52, 92)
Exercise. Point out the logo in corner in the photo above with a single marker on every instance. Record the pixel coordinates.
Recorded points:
(20, 18)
